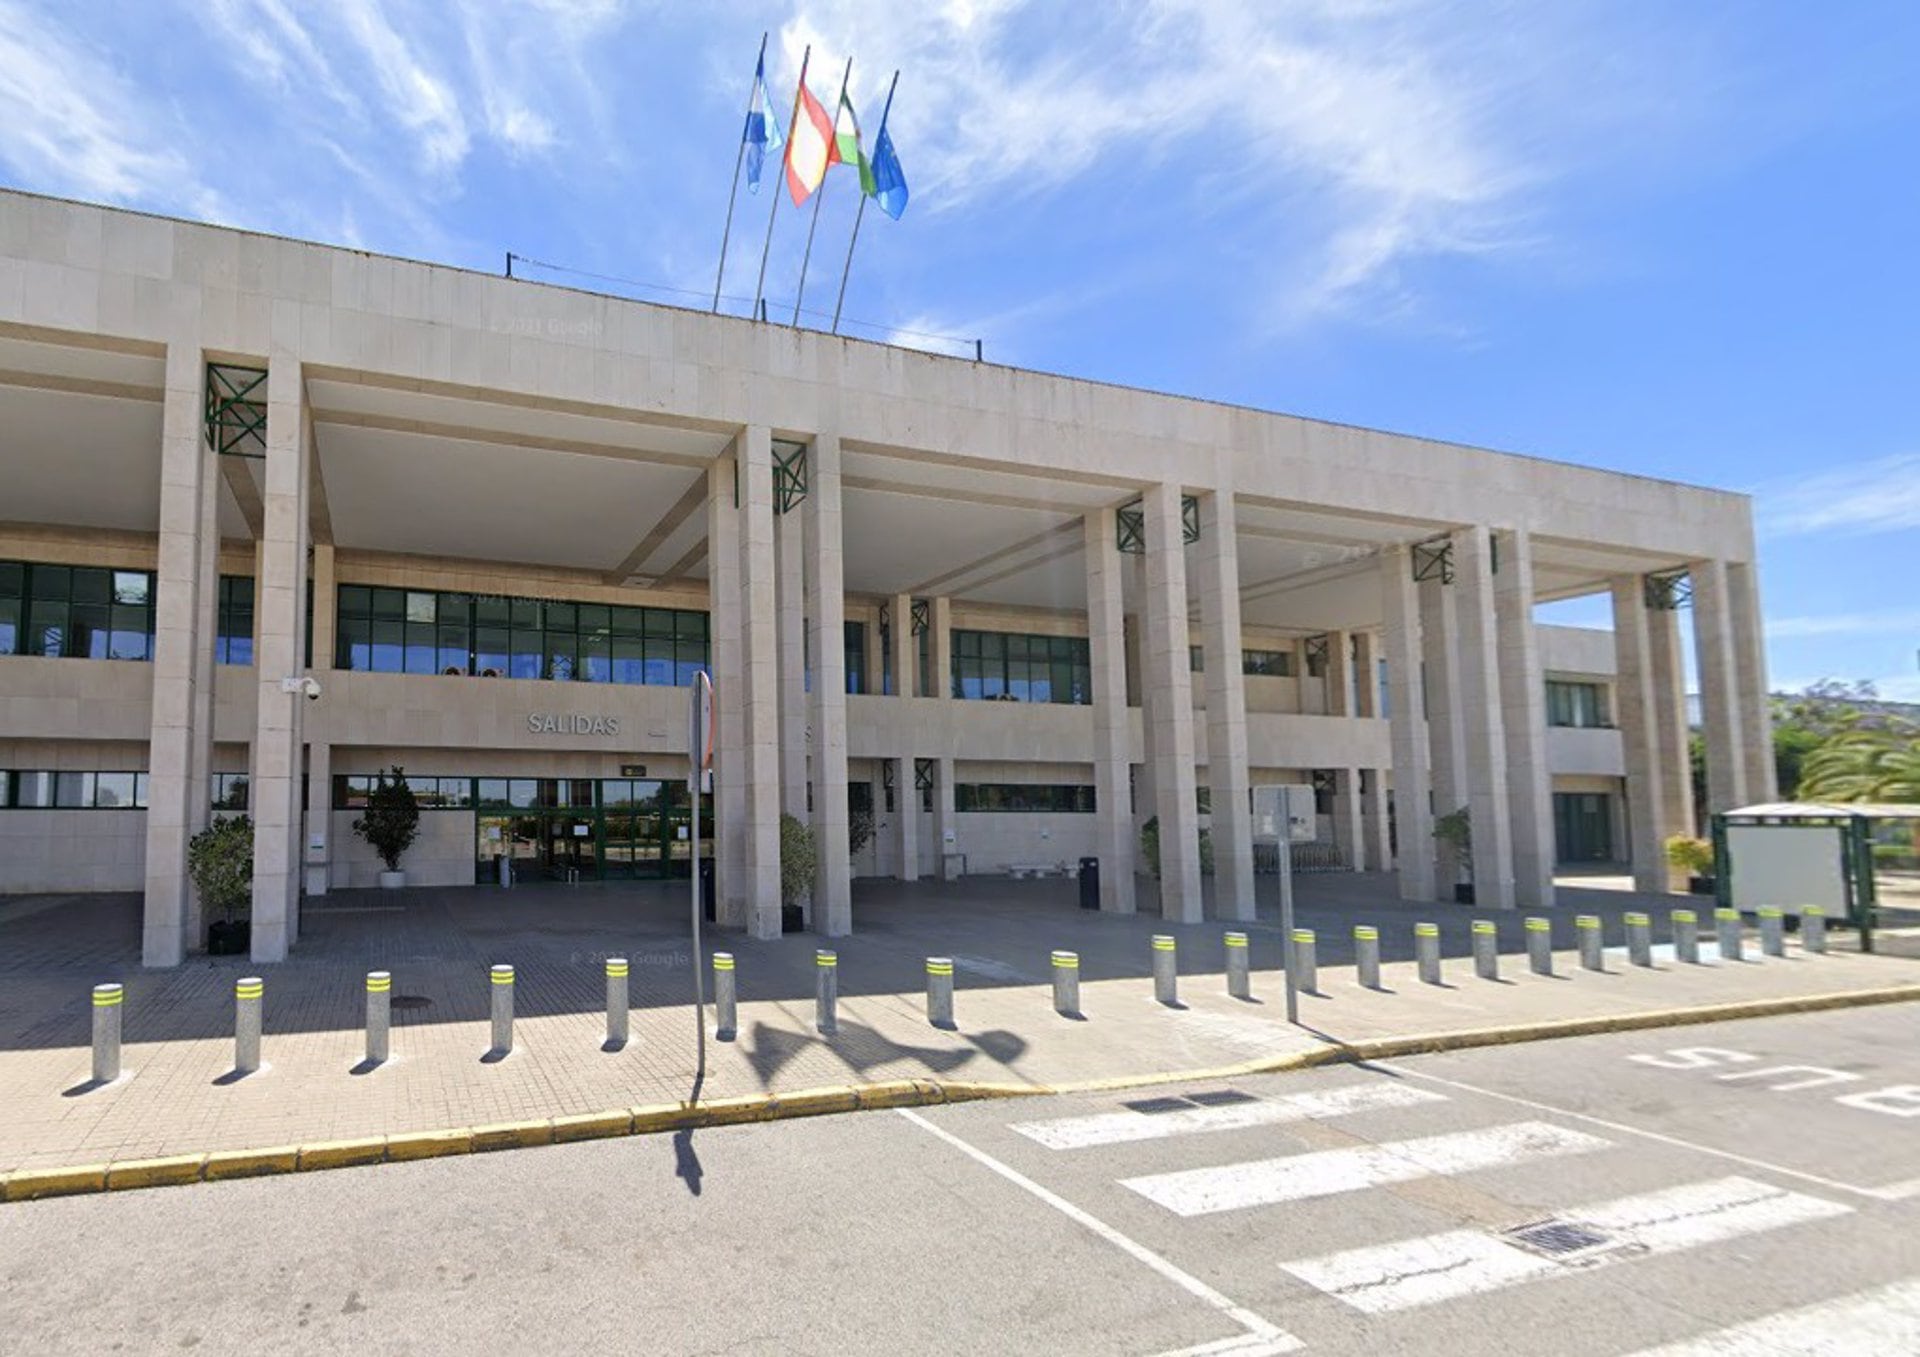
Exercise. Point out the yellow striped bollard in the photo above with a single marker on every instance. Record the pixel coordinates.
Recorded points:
(1066, 984)
(616, 1003)
(106, 1032)
(1540, 945)
(502, 987)
(1486, 949)
(826, 995)
(1426, 951)
(379, 1016)
(249, 993)
(1239, 967)
(725, 998)
(1166, 969)
(940, 991)
(1366, 955)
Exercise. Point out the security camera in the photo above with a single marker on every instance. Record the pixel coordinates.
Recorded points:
(311, 688)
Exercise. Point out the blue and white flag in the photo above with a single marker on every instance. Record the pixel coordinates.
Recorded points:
(763, 127)
(889, 180)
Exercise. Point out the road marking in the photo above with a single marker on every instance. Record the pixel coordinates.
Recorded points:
(1880, 1323)
(1261, 1338)
(1116, 1128)
(1895, 1192)
(1383, 1278)
(1322, 1173)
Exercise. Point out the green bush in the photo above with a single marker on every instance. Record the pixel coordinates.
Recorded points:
(220, 861)
(1692, 856)
(799, 856)
(1150, 848)
(392, 819)
(859, 831)
(1455, 829)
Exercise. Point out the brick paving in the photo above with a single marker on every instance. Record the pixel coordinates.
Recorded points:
(178, 1096)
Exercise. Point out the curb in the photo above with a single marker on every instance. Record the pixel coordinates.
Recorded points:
(406, 1146)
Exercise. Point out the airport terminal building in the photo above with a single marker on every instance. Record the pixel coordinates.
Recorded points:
(1005, 619)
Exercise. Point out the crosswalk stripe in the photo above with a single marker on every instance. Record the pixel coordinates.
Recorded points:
(1399, 1276)
(1879, 1323)
(1116, 1128)
(1262, 1182)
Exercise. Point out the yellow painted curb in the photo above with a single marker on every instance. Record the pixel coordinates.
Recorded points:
(405, 1146)
(650, 1120)
(169, 1171)
(513, 1135)
(251, 1163)
(811, 1102)
(25, 1185)
(592, 1126)
(340, 1154)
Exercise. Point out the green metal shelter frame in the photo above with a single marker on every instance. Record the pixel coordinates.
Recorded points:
(1855, 825)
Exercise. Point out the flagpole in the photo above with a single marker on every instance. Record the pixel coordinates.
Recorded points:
(759, 288)
(858, 216)
(727, 232)
(821, 192)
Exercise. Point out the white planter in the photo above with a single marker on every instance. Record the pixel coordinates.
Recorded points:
(392, 881)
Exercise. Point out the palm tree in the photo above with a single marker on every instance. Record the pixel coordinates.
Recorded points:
(1864, 765)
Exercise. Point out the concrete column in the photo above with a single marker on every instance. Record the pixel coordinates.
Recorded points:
(1167, 663)
(1633, 691)
(826, 614)
(326, 608)
(906, 646)
(871, 631)
(279, 604)
(1366, 689)
(1750, 677)
(906, 818)
(1412, 775)
(1376, 830)
(945, 832)
(200, 780)
(1482, 730)
(760, 683)
(1227, 775)
(1670, 721)
(1446, 745)
(1523, 713)
(318, 822)
(1720, 716)
(1339, 673)
(1114, 841)
(941, 680)
(727, 663)
(790, 634)
(1313, 691)
(176, 804)
(1346, 818)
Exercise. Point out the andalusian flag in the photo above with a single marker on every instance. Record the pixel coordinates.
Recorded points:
(763, 126)
(811, 148)
(846, 143)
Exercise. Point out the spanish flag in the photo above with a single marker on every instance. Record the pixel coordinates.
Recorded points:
(810, 149)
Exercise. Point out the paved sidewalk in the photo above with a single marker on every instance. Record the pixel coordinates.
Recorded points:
(178, 1097)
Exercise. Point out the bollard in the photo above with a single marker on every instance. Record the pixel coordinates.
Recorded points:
(1639, 939)
(1592, 943)
(940, 991)
(1306, 962)
(502, 1009)
(1166, 970)
(1486, 950)
(379, 1016)
(1366, 955)
(616, 1002)
(248, 994)
(1239, 967)
(1540, 945)
(1426, 950)
(1066, 984)
(726, 1018)
(826, 993)
(1686, 936)
(1813, 929)
(106, 1032)
(1727, 921)
(1773, 938)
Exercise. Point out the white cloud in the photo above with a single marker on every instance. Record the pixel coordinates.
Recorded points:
(418, 97)
(1882, 495)
(1844, 624)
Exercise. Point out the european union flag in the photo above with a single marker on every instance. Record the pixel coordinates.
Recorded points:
(889, 180)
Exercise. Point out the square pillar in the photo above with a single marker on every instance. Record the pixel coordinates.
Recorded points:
(1227, 775)
(326, 609)
(1633, 689)
(1482, 731)
(1671, 729)
(1339, 673)
(726, 664)
(177, 806)
(1376, 828)
(826, 614)
(906, 817)
(1168, 666)
(1440, 682)
(314, 870)
(199, 801)
(946, 836)
(1720, 715)
(1366, 679)
(1113, 835)
(872, 657)
(279, 607)
(1347, 817)
(940, 681)
(760, 683)
(1412, 770)
(1750, 678)
(906, 646)
(791, 635)
(1523, 714)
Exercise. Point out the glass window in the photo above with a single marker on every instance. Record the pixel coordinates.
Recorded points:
(230, 791)
(856, 655)
(73, 791)
(233, 632)
(1576, 704)
(33, 789)
(113, 791)
(1267, 663)
(1027, 798)
(995, 665)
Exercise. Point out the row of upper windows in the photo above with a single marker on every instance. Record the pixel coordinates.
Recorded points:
(103, 613)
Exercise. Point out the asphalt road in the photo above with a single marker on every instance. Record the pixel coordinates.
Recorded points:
(1694, 1181)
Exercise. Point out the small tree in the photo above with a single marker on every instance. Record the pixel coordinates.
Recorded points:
(859, 831)
(392, 819)
(1455, 829)
(220, 861)
(798, 859)
(1692, 856)
(1150, 847)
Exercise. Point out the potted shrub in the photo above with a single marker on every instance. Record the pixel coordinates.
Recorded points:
(1455, 830)
(799, 857)
(1695, 858)
(220, 861)
(390, 824)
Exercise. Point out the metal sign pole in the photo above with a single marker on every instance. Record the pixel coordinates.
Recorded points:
(1286, 919)
(699, 758)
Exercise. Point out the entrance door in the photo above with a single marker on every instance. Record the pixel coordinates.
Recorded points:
(860, 806)
(572, 848)
(1583, 827)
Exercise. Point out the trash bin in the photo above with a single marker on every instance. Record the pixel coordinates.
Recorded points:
(1089, 883)
(707, 907)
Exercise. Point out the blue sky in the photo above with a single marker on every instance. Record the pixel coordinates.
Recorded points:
(1662, 237)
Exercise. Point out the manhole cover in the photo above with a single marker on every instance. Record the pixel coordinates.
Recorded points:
(1223, 1097)
(404, 1001)
(1154, 1105)
(1559, 1238)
